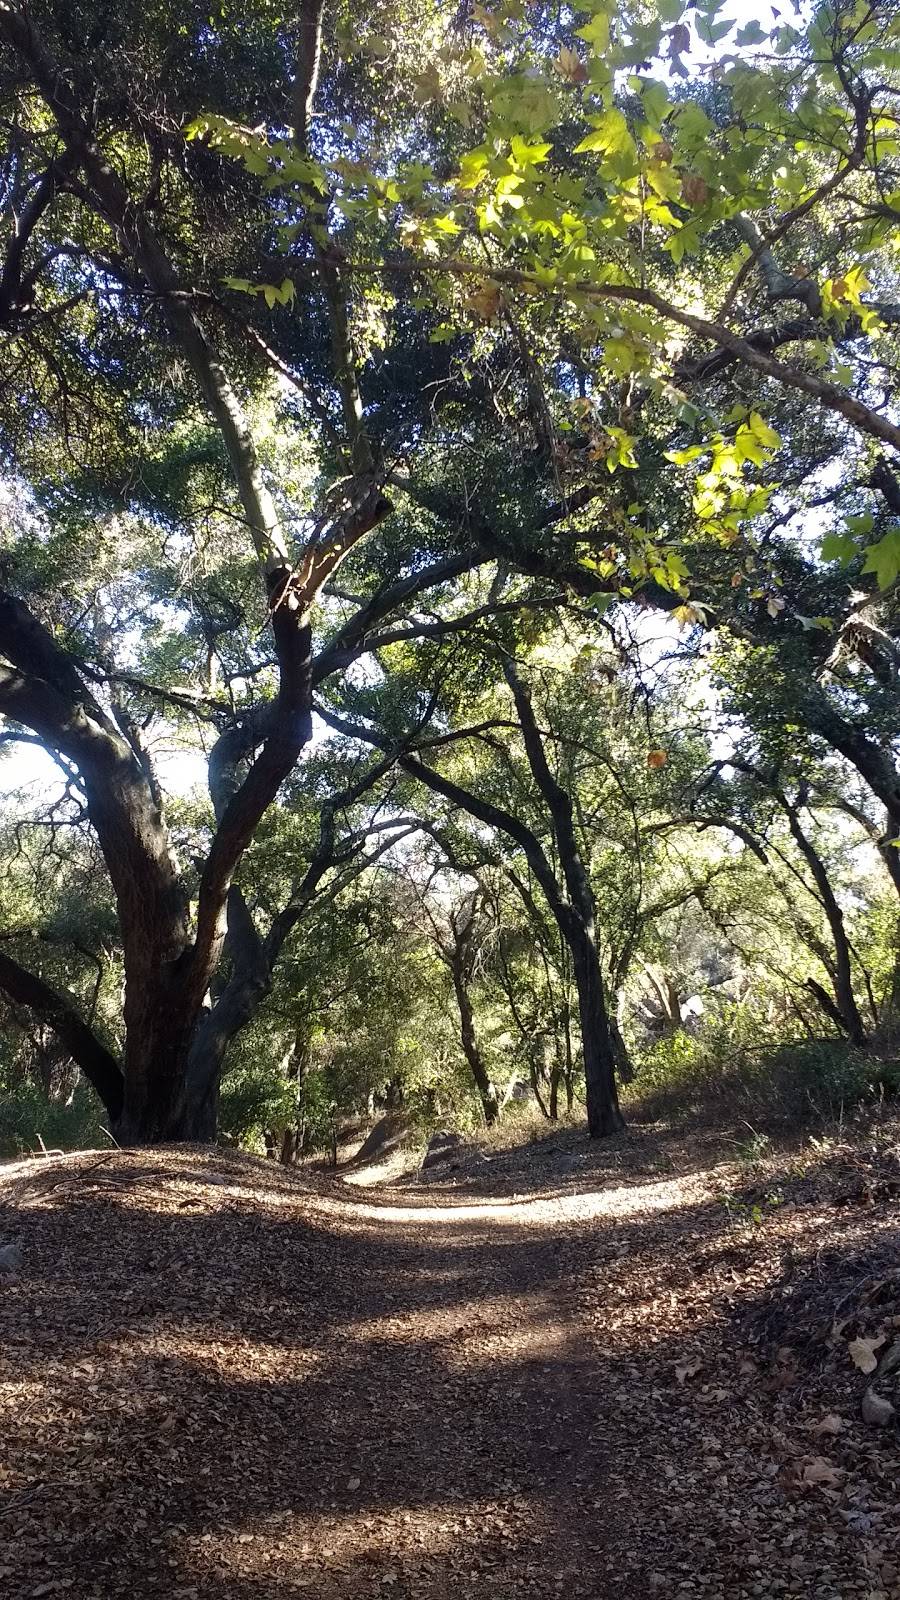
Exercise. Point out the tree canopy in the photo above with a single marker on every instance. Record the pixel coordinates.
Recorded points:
(450, 549)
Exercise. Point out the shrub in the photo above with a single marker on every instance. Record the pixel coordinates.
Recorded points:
(252, 1099)
(723, 1070)
(27, 1117)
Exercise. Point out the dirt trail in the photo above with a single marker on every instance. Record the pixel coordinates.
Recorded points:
(221, 1382)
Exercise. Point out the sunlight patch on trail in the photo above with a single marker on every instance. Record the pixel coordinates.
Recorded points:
(323, 1547)
(628, 1200)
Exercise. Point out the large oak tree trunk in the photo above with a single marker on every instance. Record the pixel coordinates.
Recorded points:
(165, 1086)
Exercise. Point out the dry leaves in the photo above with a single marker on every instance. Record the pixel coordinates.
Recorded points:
(862, 1352)
(485, 301)
(288, 1386)
(819, 1470)
(569, 66)
(876, 1410)
(831, 1423)
(687, 1369)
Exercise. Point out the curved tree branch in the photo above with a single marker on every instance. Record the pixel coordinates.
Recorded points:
(98, 1064)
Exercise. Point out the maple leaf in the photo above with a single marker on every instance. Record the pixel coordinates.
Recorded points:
(570, 66)
(883, 558)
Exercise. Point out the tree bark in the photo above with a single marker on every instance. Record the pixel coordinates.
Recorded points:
(603, 1113)
(599, 1045)
(98, 1063)
(487, 1092)
(846, 1006)
(827, 1004)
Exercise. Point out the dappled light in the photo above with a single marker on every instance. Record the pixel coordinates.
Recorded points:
(449, 800)
(534, 1210)
(279, 1385)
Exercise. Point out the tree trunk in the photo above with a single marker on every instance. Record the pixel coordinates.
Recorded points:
(576, 922)
(536, 1086)
(166, 1085)
(847, 1009)
(603, 1113)
(576, 910)
(824, 1000)
(487, 1092)
(624, 1065)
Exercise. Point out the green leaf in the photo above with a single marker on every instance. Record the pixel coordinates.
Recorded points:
(883, 558)
(528, 155)
(682, 457)
(654, 99)
(711, 32)
(596, 32)
(610, 135)
(763, 432)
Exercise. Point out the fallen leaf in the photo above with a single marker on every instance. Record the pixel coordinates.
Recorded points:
(818, 1470)
(862, 1352)
(687, 1369)
(830, 1423)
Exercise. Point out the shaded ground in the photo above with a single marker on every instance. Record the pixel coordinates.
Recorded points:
(560, 1372)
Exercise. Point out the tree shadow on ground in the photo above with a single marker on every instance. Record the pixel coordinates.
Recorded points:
(223, 1385)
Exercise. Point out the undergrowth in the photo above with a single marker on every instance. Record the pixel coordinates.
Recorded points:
(721, 1073)
(28, 1117)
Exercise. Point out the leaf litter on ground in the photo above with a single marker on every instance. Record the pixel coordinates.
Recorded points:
(222, 1380)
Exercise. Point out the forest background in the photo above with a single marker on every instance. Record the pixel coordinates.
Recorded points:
(450, 540)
